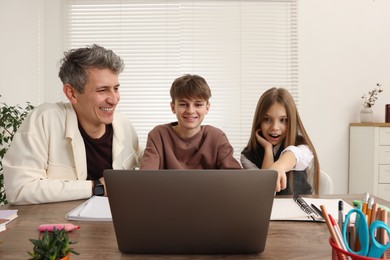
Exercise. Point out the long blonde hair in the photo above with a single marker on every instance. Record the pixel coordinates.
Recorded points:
(296, 133)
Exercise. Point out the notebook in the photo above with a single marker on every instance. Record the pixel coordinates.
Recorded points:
(96, 208)
(304, 208)
(191, 211)
(6, 216)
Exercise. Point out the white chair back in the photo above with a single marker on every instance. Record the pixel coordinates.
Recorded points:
(326, 183)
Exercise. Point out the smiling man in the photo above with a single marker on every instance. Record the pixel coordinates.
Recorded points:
(61, 150)
(186, 144)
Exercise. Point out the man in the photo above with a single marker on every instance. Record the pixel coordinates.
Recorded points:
(61, 150)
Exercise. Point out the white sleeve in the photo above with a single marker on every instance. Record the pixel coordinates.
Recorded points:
(302, 154)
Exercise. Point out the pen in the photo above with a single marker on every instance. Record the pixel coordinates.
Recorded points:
(329, 225)
(338, 232)
(316, 210)
(341, 214)
(332, 231)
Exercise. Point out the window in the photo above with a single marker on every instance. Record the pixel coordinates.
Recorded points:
(241, 48)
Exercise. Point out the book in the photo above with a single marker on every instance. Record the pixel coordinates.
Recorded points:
(6, 216)
(2, 224)
(300, 209)
(96, 208)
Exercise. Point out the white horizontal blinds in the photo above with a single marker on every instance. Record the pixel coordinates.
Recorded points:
(240, 47)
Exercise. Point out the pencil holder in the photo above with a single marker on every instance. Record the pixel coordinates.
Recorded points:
(340, 254)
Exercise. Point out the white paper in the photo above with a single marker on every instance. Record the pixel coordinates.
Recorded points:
(288, 209)
(97, 208)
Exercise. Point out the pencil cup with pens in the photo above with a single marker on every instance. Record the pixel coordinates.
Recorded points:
(363, 234)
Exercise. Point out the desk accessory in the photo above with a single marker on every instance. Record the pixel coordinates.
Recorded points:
(371, 238)
(96, 208)
(341, 214)
(289, 209)
(6, 216)
(9, 214)
(2, 224)
(52, 245)
(50, 227)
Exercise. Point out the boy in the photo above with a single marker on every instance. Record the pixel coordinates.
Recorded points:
(186, 144)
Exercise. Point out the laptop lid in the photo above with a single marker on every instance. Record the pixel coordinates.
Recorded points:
(191, 211)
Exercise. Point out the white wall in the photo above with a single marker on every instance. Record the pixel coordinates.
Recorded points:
(344, 51)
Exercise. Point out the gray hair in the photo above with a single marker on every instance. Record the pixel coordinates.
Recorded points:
(74, 66)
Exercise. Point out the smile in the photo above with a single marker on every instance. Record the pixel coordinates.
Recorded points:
(106, 108)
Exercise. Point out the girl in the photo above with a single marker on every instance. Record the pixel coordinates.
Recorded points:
(279, 141)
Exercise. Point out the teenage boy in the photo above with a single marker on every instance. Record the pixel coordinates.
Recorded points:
(186, 144)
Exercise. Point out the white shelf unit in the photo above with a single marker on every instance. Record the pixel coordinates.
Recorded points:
(369, 159)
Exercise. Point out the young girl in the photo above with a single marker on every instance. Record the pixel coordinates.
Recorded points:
(279, 141)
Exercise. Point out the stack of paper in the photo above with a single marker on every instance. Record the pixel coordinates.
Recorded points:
(95, 209)
(6, 216)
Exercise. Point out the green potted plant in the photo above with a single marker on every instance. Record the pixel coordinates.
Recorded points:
(52, 246)
(11, 117)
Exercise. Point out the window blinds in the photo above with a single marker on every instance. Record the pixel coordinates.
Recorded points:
(241, 48)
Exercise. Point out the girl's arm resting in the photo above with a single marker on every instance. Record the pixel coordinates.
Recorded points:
(268, 159)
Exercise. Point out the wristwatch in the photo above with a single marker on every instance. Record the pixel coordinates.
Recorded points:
(98, 188)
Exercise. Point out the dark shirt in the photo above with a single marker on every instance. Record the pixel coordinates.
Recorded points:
(99, 152)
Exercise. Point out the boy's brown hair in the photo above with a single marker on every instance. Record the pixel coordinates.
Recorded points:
(190, 86)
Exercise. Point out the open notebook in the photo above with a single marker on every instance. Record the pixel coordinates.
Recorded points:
(302, 209)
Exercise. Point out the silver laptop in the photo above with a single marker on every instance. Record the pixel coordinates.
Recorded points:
(191, 211)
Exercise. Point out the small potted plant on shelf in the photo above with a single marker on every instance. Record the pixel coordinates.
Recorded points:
(52, 246)
(366, 114)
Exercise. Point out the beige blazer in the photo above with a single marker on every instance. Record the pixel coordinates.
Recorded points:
(46, 161)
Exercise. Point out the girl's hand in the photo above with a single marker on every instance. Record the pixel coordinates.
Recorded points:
(285, 163)
(281, 182)
(262, 141)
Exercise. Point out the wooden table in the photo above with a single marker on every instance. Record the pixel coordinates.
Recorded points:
(96, 240)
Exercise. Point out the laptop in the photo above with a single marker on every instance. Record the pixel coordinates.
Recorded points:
(191, 211)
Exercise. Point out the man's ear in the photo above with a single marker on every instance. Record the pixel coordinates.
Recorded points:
(173, 107)
(70, 93)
